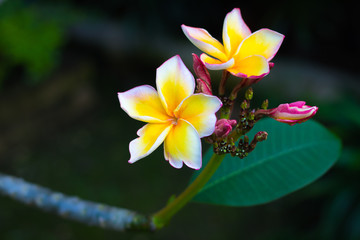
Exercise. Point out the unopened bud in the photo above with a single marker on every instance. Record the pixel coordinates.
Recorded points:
(251, 115)
(291, 113)
(200, 70)
(246, 140)
(249, 94)
(261, 136)
(245, 105)
(223, 127)
(265, 104)
(202, 87)
(271, 65)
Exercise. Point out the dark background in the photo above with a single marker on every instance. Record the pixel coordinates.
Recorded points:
(61, 65)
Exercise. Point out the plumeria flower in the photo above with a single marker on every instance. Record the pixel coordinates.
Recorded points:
(174, 115)
(243, 54)
(290, 113)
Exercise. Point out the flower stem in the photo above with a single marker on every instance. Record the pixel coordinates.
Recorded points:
(224, 77)
(162, 217)
(237, 88)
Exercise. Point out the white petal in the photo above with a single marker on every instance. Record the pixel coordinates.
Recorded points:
(214, 64)
(205, 42)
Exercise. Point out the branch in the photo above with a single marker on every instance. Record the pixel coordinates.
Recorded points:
(74, 208)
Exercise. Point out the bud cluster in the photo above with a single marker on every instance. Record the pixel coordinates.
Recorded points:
(230, 135)
(227, 132)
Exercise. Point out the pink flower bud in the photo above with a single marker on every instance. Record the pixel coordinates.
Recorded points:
(223, 127)
(200, 70)
(271, 65)
(202, 87)
(291, 113)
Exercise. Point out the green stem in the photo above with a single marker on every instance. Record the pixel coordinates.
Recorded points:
(163, 216)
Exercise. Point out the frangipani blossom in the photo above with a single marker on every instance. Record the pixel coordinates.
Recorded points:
(243, 54)
(174, 115)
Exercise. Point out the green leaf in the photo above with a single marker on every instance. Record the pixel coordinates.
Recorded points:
(291, 157)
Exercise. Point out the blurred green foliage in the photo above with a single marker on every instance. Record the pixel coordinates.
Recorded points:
(30, 38)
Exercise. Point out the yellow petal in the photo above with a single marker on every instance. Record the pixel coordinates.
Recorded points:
(214, 64)
(143, 103)
(264, 42)
(205, 42)
(183, 144)
(255, 66)
(234, 31)
(150, 137)
(199, 110)
(174, 83)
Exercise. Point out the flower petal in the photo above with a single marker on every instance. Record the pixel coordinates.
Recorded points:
(183, 144)
(199, 110)
(176, 163)
(214, 64)
(264, 42)
(234, 31)
(174, 83)
(255, 66)
(143, 103)
(150, 137)
(205, 42)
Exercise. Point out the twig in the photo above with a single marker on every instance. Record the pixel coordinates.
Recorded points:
(90, 213)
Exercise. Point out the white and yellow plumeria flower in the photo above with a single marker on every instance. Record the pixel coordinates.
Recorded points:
(174, 115)
(244, 54)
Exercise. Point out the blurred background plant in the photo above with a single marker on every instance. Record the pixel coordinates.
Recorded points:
(31, 37)
(61, 65)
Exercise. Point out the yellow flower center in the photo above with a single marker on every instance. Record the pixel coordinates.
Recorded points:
(174, 121)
